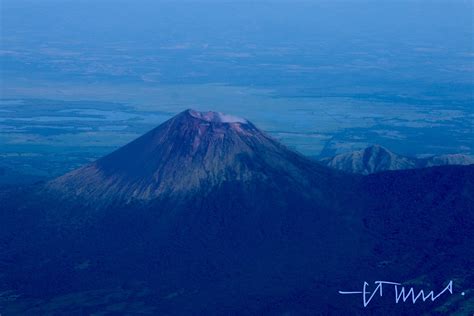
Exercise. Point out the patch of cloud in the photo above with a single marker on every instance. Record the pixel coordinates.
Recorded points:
(225, 118)
(217, 117)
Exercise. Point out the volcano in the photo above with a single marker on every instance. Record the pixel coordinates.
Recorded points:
(208, 215)
(191, 151)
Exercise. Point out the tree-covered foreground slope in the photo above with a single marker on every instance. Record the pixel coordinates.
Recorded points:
(207, 215)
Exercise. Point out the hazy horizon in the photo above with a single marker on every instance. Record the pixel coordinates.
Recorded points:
(323, 77)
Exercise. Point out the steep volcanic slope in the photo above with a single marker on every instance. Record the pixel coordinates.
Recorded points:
(206, 215)
(190, 151)
(377, 158)
(205, 205)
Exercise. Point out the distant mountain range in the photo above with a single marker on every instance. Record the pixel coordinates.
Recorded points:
(377, 158)
(208, 215)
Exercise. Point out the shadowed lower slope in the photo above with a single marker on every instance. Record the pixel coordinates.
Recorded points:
(207, 215)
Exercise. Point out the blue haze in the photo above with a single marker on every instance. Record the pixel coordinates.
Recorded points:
(80, 78)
